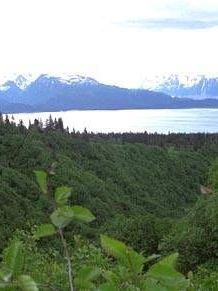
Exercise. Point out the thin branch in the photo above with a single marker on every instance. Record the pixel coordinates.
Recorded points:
(69, 266)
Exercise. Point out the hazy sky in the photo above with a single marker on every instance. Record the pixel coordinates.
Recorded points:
(114, 41)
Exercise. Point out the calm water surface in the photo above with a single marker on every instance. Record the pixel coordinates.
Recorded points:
(152, 120)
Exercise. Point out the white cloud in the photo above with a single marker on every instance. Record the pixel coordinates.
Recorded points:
(87, 37)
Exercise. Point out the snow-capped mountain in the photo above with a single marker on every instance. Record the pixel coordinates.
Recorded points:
(23, 81)
(34, 89)
(70, 79)
(180, 85)
(28, 93)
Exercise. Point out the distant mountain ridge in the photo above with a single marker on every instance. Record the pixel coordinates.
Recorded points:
(187, 86)
(27, 93)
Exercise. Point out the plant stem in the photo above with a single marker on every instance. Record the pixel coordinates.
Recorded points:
(69, 266)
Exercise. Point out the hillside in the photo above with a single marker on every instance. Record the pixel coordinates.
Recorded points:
(145, 192)
(108, 177)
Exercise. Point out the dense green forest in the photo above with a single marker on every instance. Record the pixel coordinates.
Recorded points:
(155, 193)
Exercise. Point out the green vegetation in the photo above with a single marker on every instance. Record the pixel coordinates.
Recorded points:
(128, 274)
(147, 196)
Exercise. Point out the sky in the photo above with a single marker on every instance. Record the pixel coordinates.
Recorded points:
(115, 41)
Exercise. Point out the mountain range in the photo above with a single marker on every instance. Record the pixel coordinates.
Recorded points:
(186, 86)
(28, 93)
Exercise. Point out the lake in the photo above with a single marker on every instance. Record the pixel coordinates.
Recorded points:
(150, 120)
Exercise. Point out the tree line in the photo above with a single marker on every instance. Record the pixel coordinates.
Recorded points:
(154, 139)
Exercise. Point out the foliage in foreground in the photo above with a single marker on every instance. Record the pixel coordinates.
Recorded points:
(128, 273)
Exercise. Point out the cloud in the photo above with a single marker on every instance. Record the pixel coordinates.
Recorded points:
(180, 16)
(173, 23)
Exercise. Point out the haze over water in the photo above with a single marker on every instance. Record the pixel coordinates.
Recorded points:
(152, 120)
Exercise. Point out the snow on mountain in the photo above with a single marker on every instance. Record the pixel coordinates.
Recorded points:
(181, 85)
(71, 79)
(57, 92)
(34, 89)
(23, 81)
(158, 81)
(4, 87)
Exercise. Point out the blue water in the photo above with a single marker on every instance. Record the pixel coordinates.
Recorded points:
(152, 120)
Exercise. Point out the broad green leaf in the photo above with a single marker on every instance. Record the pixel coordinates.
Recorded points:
(153, 285)
(112, 277)
(13, 258)
(44, 230)
(26, 283)
(169, 260)
(61, 217)
(114, 247)
(82, 214)
(164, 271)
(87, 273)
(85, 277)
(41, 178)
(134, 261)
(126, 256)
(61, 195)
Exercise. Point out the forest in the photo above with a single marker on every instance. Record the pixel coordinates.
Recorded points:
(144, 214)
